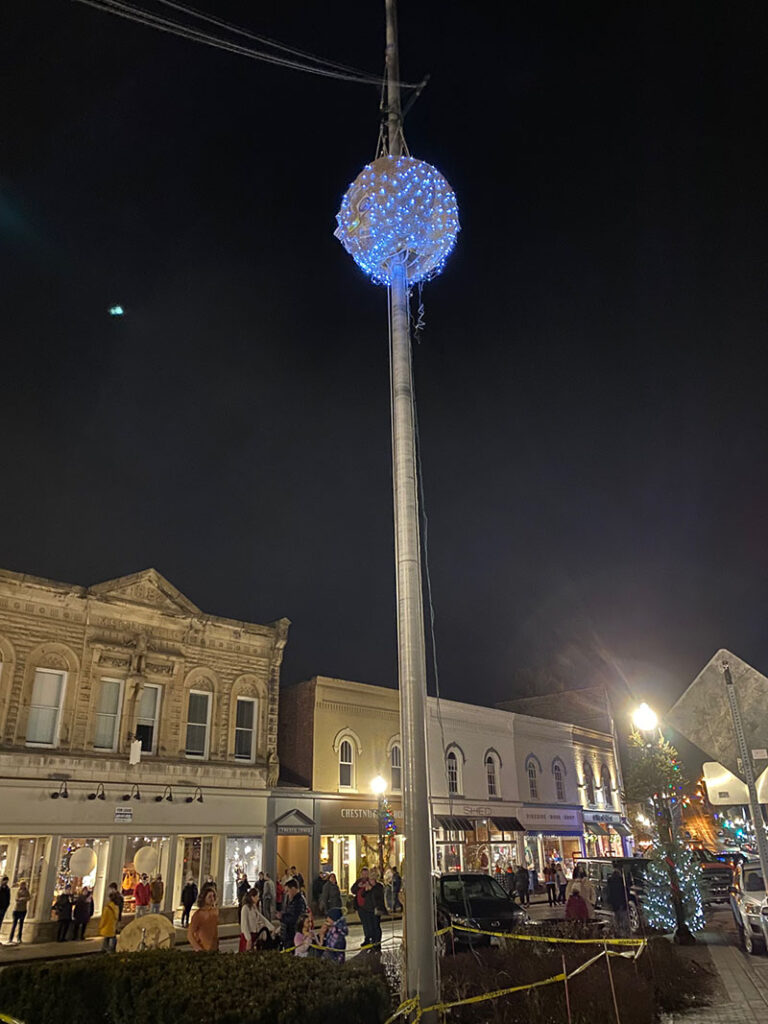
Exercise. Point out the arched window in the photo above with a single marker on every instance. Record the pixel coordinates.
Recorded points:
(452, 768)
(605, 781)
(395, 769)
(491, 776)
(346, 765)
(557, 771)
(589, 784)
(533, 782)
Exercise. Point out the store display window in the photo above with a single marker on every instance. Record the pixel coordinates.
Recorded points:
(30, 859)
(143, 855)
(83, 862)
(243, 855)
(196, 859)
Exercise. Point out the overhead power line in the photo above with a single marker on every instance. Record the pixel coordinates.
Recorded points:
(319, 66)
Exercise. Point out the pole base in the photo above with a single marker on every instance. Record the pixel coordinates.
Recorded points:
(684, 936)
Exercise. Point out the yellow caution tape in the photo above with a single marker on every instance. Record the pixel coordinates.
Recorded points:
(9, 1020)
(547, 938)
(414, 1004)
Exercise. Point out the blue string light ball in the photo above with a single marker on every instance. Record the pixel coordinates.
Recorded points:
(398, 207)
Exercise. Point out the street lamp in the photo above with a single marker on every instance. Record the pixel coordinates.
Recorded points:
(644, 718)
(379, 788)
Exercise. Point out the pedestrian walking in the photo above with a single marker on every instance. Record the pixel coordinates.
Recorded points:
(330, 898)
(110, 914)
(120, 901)
(243, 887)
(616, 897)
(521, 884)
(369, 898)
(5, 898)
(142, 895)
(23, 896)
(188, 898)
(294, 906)
(304, 937)
(561, 881)
(317, 890)
(83, 912)
(156, 893)
(252, 922)
(203, 930)
(397, 886)
(62, 907)
(268, 897)
(576, 908)
(334, 937)
(550, 883)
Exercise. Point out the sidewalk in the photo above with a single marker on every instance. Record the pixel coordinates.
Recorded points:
(744, 981)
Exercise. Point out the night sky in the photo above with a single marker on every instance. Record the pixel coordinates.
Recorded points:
(591, 379)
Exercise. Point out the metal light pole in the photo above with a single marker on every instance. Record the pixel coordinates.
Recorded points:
(421, 966)
(748, 769)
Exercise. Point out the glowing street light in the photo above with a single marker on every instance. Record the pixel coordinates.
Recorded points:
(379, 786)
(645, 718)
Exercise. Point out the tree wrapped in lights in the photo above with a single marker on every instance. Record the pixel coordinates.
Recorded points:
(672, 883)
(655, 777)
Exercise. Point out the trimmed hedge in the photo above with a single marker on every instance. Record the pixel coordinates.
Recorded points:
(173, 987)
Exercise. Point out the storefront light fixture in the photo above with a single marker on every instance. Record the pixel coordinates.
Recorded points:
(379, 785)
(62, 792)
(166, 795)
(99, 793)
(198, 796)
(135, 793)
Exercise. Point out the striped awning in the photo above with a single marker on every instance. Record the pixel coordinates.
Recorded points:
(507, 824)
(454, 824)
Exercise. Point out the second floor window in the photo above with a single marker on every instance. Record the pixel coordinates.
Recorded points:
(452, 768)
(345, 765)
(147, 718)
(557, 771)
(395, 769)
(490, 775)
(533, 781)
(245, 727)
(105, 734)
(198, 723)
(45, 707)
(606, 786)
(589, 784)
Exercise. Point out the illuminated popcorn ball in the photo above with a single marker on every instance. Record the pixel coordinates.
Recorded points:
(398, 207)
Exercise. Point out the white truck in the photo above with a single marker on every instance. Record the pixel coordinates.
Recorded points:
(749, 904)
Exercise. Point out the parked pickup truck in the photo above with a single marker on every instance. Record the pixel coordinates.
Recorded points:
(716, 877)
(750, 908)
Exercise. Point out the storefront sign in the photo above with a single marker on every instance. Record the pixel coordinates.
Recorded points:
(550, 819)
(123, 814)
(348, 817)
(295, 830)
(603, 817)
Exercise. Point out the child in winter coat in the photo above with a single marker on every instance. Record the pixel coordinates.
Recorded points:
(334, 936)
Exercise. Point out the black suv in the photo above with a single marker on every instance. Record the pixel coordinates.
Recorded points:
(599, 870)
(477, 901)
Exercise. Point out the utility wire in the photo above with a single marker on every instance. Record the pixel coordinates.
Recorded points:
(325, 69)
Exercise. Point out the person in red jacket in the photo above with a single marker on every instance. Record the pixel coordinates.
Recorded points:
(576, 908)
(142, 896)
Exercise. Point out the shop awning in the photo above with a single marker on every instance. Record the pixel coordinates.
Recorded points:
(454, 824)
(554, 833)
(620, 828)
(507, 824)
(596, 828)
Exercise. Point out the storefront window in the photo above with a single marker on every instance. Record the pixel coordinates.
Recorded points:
(197, 856)
(339, 854)
(243, 855)
(143, 855)
(83, 862)
(29, 867)
(3, 859)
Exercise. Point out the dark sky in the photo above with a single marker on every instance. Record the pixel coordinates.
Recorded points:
(591, 380)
